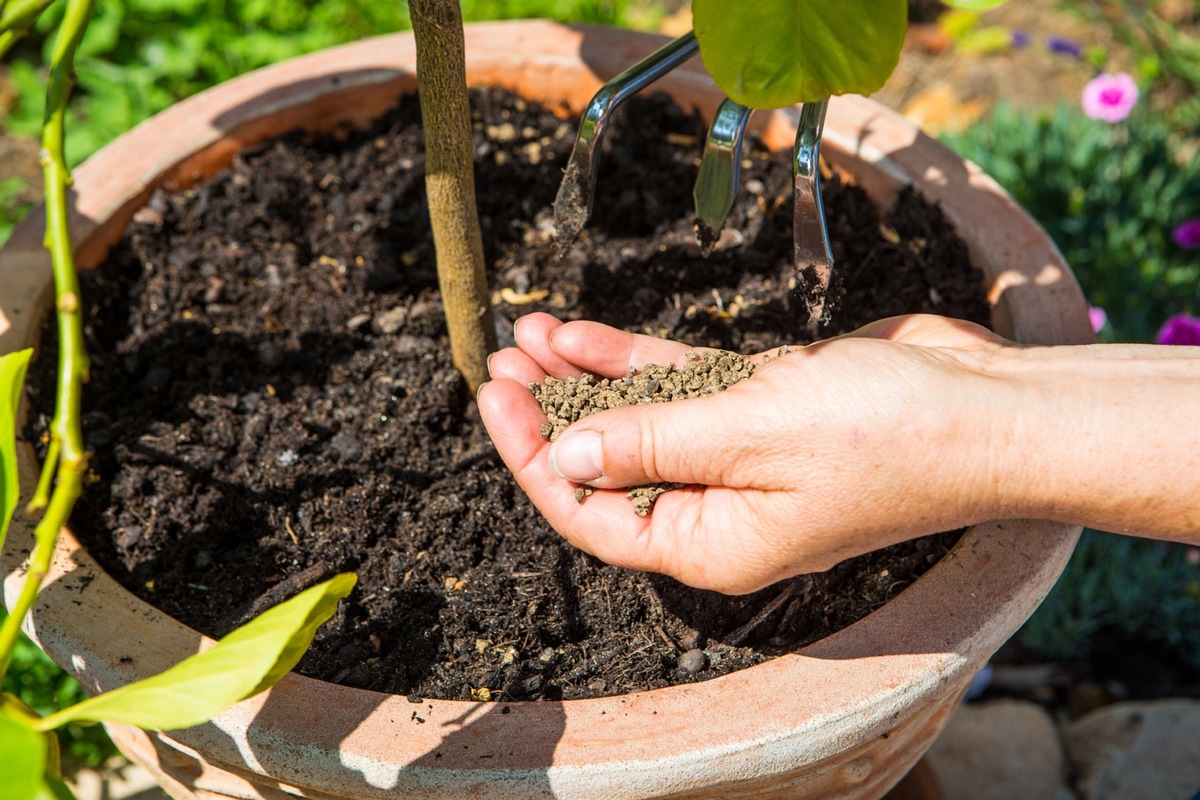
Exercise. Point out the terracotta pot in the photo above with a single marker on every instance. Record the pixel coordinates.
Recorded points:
(846, 717)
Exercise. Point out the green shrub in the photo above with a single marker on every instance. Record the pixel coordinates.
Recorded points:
(39, 683)
(13, 205)
(1109, 196)
(1148, 590)
(140, 56)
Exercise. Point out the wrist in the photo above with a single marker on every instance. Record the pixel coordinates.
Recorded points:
(983, 422)
(1022, 412)
(1096, 435)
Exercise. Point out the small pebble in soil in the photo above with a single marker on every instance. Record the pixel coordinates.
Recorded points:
(287, 458)
(566, 402)
(692, 662)
(390, 322)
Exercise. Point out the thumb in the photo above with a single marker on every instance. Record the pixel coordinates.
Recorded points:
(688, 441)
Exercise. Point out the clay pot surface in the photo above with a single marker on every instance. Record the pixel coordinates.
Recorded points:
(845, 717)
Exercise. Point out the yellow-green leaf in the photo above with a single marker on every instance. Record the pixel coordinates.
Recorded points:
(53, 788)
(985, 40)
(773, 53)
(974, 6)
(12, 378)
(241, 664)
(23, 756)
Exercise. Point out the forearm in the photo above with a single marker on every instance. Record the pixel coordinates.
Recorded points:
(1106, 436)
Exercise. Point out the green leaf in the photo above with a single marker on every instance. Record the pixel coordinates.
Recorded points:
(12, 378)
(243, 663)
(53, 788)
(774, 53)
(23, 753)
(957, 24)
(974, 6)
(985, 40)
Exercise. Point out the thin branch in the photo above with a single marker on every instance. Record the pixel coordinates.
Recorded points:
(16, 18)
(69, 461)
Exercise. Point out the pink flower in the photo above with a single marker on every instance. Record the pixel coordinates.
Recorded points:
(1098, 317)
(1187, 234)
(1180, 329)
(1110, 97)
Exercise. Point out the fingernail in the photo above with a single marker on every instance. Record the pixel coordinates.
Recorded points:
(578, 456)
(488, 364)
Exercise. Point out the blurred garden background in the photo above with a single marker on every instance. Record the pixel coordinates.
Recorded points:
(1088, 112)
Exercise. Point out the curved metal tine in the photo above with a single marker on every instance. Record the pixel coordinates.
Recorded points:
(720, 168)
(573, 205)
(814, 259)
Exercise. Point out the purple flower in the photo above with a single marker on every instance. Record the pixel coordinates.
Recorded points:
(1019, 39)
(1187, 234)
(1180, 329)
(1065, 47)
(1098, 317)
(1109, 97)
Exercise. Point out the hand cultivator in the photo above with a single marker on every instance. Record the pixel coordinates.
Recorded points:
(717, 182)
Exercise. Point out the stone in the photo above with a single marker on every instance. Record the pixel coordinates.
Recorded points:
(692, 661)
(1137, 749)
(115, 780)
(1000, 750)
(390, 322)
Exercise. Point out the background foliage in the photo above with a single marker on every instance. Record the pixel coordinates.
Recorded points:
(40, 684)
(1109, 196)
(1146, 591)
(140, 56)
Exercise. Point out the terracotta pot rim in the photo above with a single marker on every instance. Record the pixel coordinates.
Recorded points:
(903, 653)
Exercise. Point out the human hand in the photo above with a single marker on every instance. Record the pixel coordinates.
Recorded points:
(829, 451)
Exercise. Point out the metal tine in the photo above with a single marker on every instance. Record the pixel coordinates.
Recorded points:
(573, 205)
(720, 169)
(814, 259)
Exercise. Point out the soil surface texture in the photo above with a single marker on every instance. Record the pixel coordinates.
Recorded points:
(272, 400)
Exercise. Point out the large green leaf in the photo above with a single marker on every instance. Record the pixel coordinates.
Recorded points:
(12, 378)
(23, 753)
(241, 664)
(773, 53)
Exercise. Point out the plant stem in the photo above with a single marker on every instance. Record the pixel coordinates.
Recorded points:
(16, 18)
(450, 184)
(68, 461)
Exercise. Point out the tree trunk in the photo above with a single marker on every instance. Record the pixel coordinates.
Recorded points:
(450, 184)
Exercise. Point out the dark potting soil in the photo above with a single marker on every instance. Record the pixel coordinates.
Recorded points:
(272, 400)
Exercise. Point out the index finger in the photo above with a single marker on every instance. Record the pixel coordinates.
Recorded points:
(610, 352)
